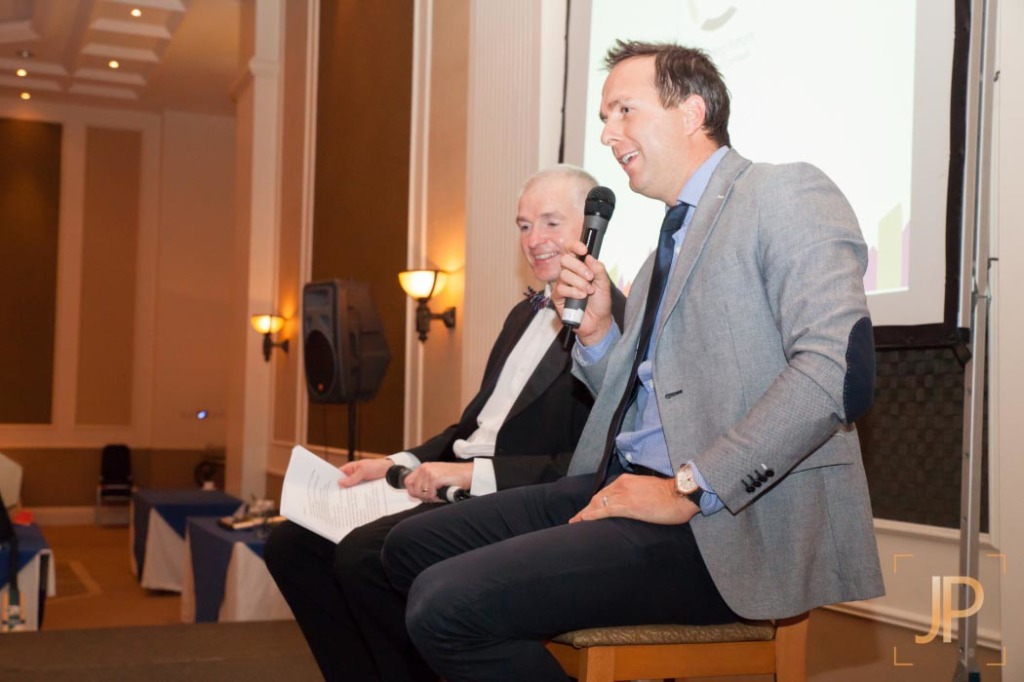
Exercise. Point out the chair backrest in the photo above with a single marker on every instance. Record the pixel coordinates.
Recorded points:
(116, 465)
(10, 481)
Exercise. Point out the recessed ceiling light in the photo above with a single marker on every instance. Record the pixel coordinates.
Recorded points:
(24, 54)
(113, 63)
(26, 95)
(21, 73)
(136, 12)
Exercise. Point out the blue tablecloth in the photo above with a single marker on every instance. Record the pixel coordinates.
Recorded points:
(30, 543)
(210, 547)
(175, 507)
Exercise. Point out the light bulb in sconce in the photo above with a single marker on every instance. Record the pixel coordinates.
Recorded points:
(421, 286)
(268, 325)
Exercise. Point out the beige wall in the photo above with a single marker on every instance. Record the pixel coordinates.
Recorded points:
(239, 260)
(193, 323)
(189, 343)
(514, 95)
(146, 212)
(1007, 341)
(67, 477)
(110, 236)
(445, 246)
(292, 263)
(362, 189)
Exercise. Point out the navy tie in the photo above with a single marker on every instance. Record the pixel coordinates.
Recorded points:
(659, 278)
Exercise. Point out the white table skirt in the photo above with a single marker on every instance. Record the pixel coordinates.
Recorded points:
(164, 566)
(250, 592)
(30, 577)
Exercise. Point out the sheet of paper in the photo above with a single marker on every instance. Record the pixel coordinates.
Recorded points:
(312, 498)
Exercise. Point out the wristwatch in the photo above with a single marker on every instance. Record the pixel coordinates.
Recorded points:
(686, 485)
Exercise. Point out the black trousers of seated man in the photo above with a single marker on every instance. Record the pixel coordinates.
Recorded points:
(490, 579)
(351, 617)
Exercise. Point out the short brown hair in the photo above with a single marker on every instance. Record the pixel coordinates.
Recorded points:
(678, 73)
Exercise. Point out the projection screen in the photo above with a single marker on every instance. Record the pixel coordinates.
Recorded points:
(860, 89)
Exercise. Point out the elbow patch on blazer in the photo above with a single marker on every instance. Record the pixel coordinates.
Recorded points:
(859, 383)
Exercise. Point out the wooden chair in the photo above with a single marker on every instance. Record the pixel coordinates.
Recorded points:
(671, 651)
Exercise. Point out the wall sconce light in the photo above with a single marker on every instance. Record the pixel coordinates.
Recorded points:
(268, 325)
(421, 285)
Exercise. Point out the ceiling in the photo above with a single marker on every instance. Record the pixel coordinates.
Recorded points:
(179, 55)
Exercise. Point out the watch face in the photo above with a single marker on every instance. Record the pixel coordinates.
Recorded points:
(684, 481)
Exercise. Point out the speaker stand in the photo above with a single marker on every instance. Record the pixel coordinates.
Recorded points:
(351, 430)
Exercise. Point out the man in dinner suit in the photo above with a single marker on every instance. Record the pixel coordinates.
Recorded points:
(521, 428)
(719, 475)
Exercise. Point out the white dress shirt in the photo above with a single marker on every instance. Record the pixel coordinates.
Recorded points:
(519, 367)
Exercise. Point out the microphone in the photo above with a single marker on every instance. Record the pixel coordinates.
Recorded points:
(396, 475)
(597, 211)
(452, 493)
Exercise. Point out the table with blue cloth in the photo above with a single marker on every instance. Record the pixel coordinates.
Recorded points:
(157, 529)
(225, 576)
(36, 580)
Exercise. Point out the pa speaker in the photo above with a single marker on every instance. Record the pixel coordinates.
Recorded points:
(346, 353)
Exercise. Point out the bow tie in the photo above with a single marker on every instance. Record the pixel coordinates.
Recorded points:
(537, 299)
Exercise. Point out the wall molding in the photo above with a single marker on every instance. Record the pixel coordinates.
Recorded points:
(1006, 473)
(63, 431)
(419, 172)
(513, 62)
(281, 452)
(63, 516)
(308, 185)
(248, 452)
(911, 555)
(911, 620)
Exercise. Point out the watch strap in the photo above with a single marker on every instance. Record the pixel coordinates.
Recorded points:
(696, 496)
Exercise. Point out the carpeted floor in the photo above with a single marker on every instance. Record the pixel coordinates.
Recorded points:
(103, 626)
(205, 652)
(74, 581)
(95, 584)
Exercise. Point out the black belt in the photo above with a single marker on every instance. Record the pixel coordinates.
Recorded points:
(638, 470)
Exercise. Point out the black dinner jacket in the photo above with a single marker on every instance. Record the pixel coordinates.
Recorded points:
(537, 439)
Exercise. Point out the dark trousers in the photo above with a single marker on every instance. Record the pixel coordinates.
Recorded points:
(490, 579)
(352, 619)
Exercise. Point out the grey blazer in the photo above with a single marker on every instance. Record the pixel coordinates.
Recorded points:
(764, 359)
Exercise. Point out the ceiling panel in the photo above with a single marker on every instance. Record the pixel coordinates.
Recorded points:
(174, 55)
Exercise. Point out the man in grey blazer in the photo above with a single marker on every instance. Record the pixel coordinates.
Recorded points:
(719, 474)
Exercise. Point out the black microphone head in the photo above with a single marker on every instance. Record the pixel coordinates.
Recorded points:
(395, 476)
(600, 201)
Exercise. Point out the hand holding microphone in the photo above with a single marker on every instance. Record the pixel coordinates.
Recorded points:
(597, 211)
(396, 477)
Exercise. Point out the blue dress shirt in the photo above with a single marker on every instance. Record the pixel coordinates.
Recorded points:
(645, 444)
